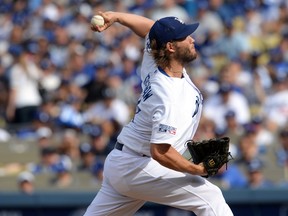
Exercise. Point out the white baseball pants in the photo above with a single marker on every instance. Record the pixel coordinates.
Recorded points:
(130, 180)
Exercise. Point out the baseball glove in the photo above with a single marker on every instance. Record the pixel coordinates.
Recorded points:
(213, 153)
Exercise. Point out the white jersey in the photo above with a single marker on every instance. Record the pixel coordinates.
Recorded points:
(25, 84)
(168, 110)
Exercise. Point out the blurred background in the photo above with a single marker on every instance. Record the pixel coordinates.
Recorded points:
(66, 92)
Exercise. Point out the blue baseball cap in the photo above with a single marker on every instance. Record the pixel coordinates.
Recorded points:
(255, 165)
(169, 29)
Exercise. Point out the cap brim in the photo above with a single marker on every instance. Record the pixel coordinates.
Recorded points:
(187, 30)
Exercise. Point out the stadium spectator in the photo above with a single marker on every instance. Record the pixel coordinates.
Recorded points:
(107, 109)
(63, 177)
(50, 81)
(46, 114)
(24, 80)
(206, 129)
(227, 99)
(70, 106)
(282, 156)
(93, 89)
(87, 157)
(223, 10)
(50, 162)
(275, 107)
(127, 82)
(98, 140)
(25, 181)
(234, 130)
(264, 138)
(4, 89)
(91, 163)
(97, 172)
(70, 115)
(169, 8)
(69, 144)
(44, 137)
(256, 178)
(253, 19)
(248, 149)
(282, 151)
(237, 76)
(141, 7)
(210, 30)
(230, 178)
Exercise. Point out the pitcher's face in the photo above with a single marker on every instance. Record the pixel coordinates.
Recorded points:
(185, 50)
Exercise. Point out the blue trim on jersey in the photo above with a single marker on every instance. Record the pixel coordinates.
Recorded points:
(163, 72)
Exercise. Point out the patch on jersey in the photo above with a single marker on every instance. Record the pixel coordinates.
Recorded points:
(167, 129)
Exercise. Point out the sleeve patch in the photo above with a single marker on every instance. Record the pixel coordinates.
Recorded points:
(167, 129)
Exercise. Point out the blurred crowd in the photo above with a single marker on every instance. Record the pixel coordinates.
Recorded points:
(59, 78)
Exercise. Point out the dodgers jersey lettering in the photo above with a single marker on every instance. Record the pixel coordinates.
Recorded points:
(168, 110)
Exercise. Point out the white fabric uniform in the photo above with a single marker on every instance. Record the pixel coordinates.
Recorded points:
(26, 83)
(168, 111)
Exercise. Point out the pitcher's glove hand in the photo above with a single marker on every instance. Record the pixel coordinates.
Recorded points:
(213, 153)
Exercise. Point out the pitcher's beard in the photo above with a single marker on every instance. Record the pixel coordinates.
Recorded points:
(185, 55)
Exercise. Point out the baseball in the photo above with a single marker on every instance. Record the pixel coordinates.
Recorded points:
(97, 20)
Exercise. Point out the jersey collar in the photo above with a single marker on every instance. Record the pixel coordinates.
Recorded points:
(163, 72)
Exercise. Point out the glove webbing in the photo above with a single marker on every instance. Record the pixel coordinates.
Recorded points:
(230, 157)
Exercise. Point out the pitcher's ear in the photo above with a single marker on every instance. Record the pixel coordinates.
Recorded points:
(170, 46)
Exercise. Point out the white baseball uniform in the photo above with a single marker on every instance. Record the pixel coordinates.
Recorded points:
(168, 111)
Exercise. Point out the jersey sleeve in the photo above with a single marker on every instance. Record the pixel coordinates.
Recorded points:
(148, 63)
(164, 123)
